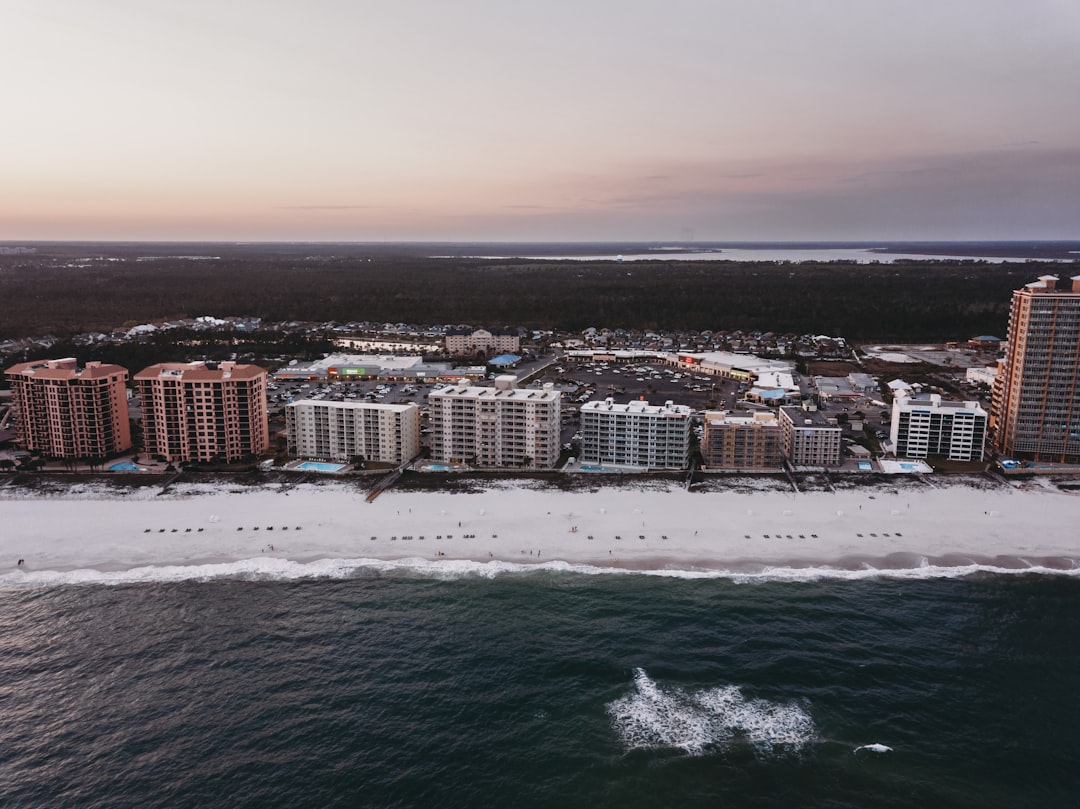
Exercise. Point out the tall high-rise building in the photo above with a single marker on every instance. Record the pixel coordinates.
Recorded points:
(200, 411)
(68, 411)
(1036, 407)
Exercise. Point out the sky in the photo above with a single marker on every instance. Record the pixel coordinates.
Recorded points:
(587, 120)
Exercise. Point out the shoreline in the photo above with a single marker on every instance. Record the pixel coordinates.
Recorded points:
(655, 528)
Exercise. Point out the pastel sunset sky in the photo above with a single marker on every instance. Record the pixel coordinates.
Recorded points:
(384, 120)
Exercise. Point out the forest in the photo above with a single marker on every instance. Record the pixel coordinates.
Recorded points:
(68, 291)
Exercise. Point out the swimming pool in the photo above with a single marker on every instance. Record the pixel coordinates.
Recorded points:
(125, 466)
(904, 467)
(318, 466)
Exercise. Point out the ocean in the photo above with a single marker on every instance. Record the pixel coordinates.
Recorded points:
(545, 688)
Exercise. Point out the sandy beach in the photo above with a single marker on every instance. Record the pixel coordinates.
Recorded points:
(86, 530)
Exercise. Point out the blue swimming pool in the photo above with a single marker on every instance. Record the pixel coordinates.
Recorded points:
(125, 466)
(318, 466)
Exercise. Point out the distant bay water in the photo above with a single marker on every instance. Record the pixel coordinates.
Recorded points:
(847, 255)
(541, 689)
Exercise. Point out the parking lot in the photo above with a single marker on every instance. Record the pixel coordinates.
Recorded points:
(585, 381)
(655, 382)
(282, 392)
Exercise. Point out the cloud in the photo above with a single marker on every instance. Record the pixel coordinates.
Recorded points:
(979, 194)
(1017, 144)
(324, 207)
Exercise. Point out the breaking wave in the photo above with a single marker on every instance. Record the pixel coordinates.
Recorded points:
(267, 568)
(653, 717)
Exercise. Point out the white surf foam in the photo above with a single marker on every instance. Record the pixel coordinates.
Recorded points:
(653, 717)
(272, 568)
(876, 747)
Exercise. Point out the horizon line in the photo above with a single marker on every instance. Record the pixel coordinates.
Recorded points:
(680, 242)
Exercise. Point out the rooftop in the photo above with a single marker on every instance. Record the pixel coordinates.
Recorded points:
(394, 408)
(935, 402)
(200, 371)
(503, 391)
(807, 418)
(66, 368)
(717, 418)
(637, 406)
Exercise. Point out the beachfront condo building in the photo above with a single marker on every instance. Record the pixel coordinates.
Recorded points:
(496, 427)
(65, 410)
(203, 411)
(482, 341)
(343, 431)
(1036, 409)
(809, 438)
(751, 442)
(635, 435)
(925, 426)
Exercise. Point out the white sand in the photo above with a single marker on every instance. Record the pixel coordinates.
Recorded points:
(949, 526)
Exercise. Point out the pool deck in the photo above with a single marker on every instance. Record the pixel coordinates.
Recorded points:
(905, 467)
(324, 467)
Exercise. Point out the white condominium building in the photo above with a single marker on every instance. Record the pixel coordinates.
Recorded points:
(809, 438)
(341, 431)
(635, 435)
(500, 426)
(925, 426)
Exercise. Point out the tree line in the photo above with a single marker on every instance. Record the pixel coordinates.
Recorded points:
(901, 302)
